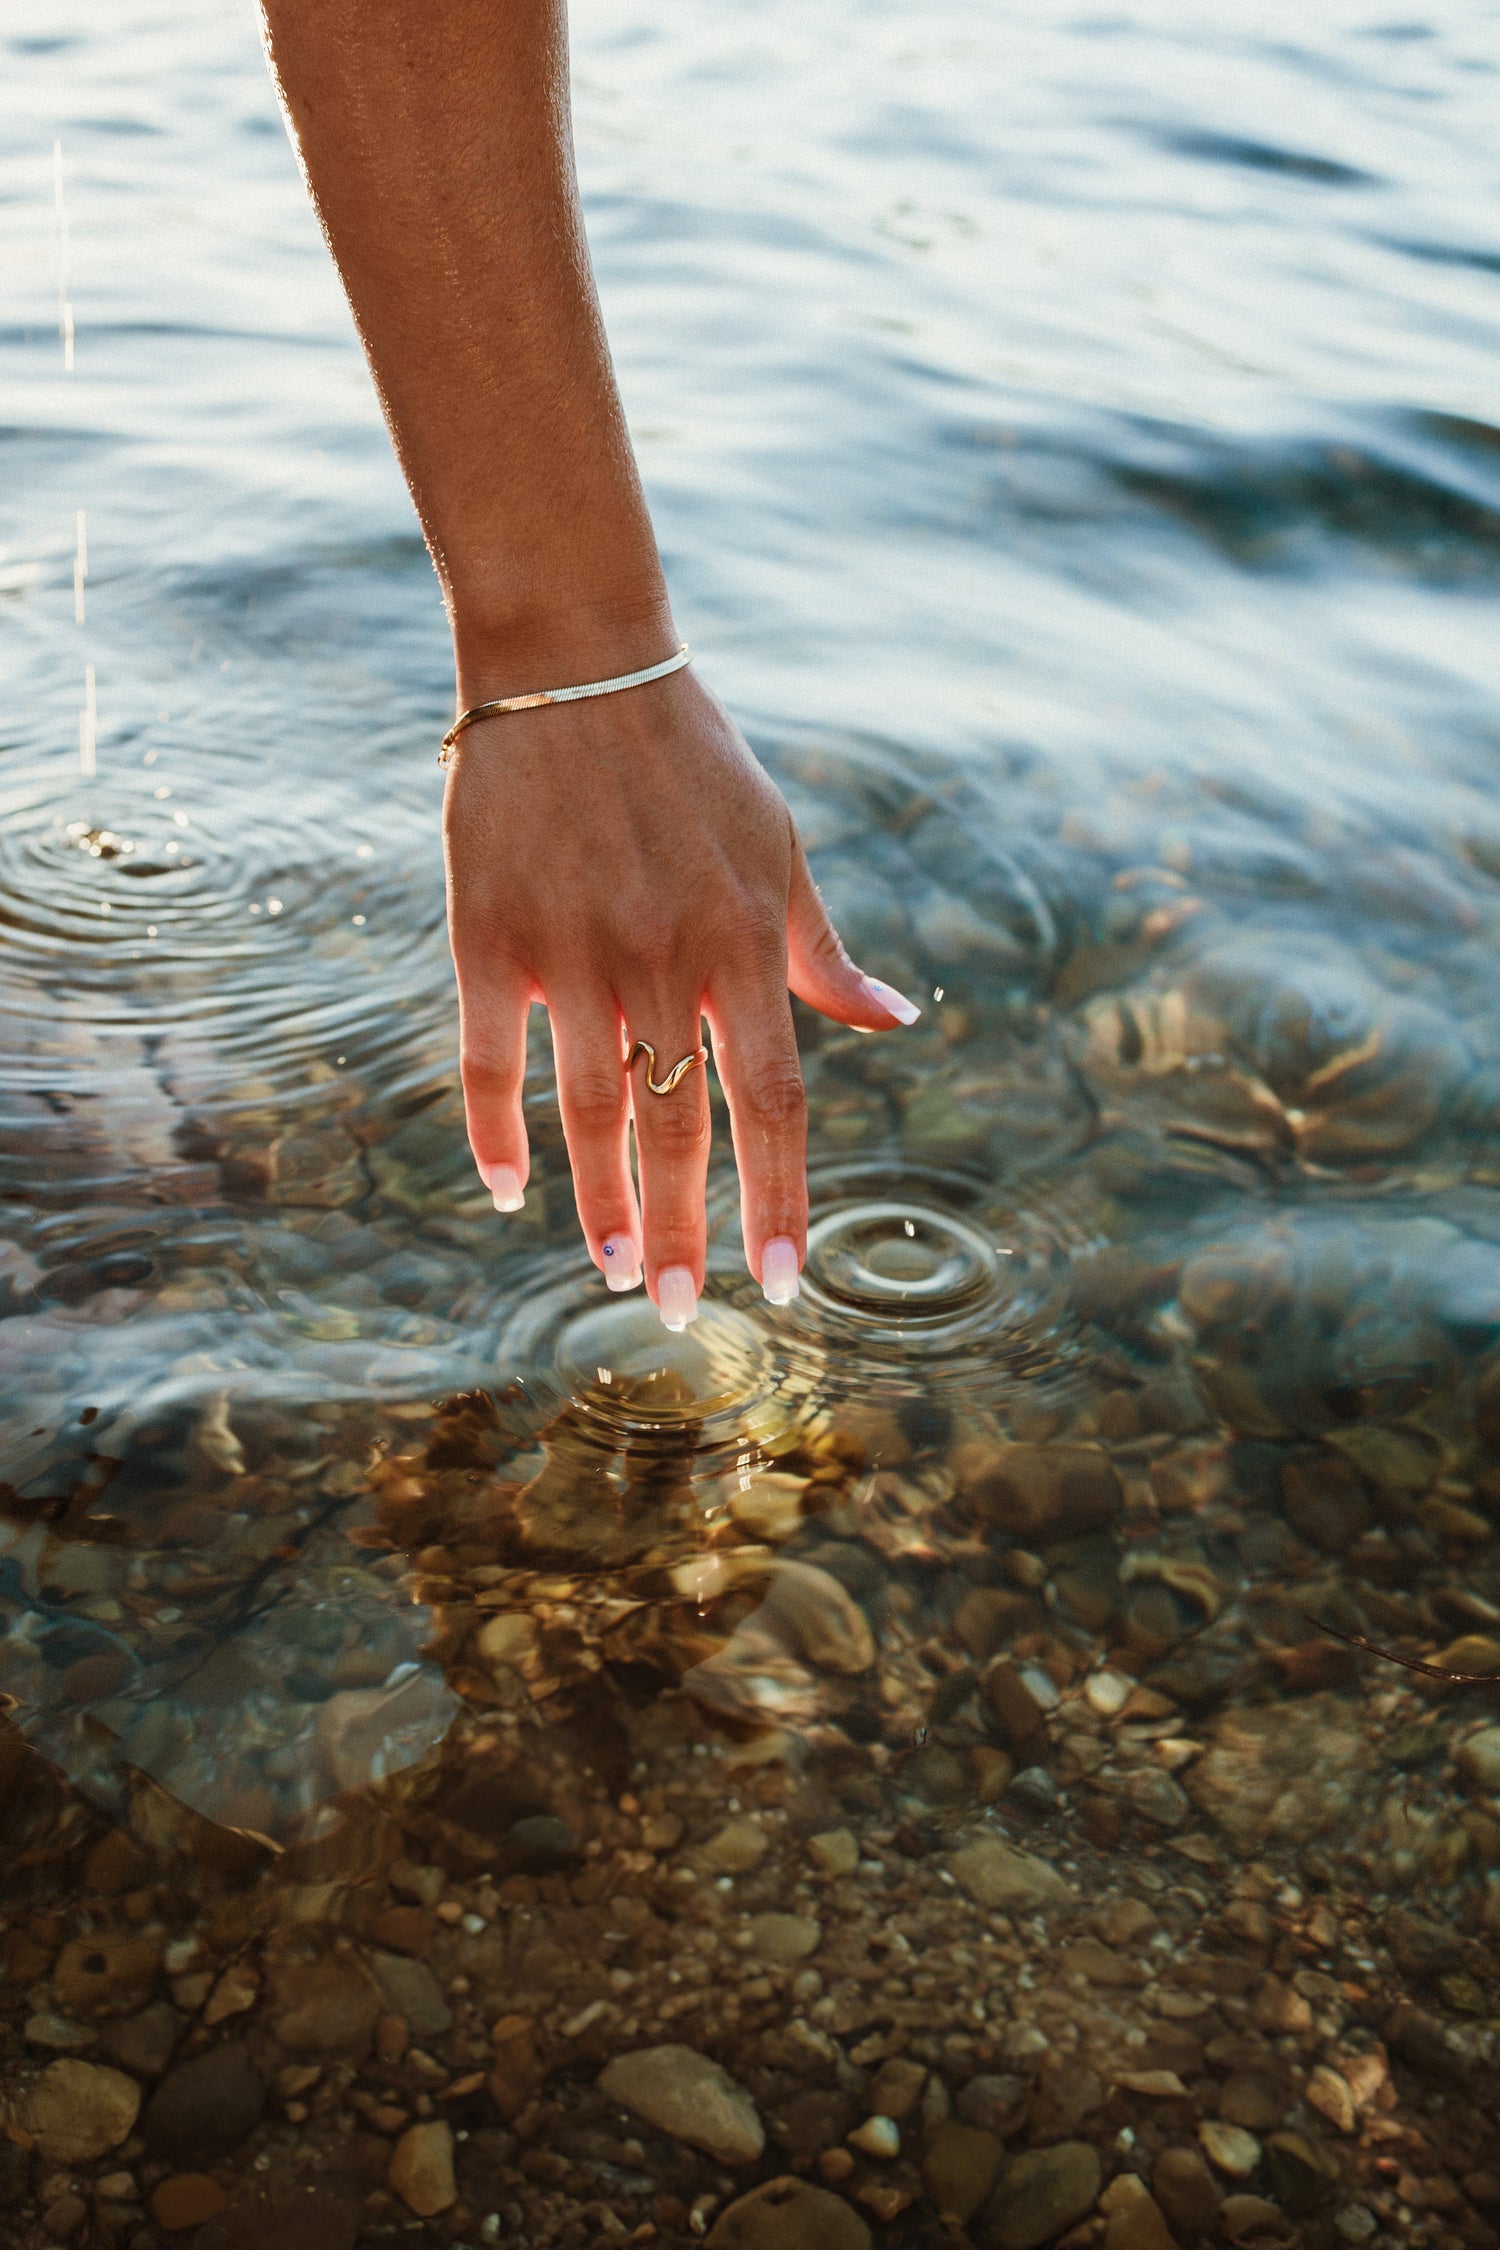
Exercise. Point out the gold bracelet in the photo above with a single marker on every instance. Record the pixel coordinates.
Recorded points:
(560, 695)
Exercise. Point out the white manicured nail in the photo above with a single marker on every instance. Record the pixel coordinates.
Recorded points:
(894, 1003)
(622, 1263)
(676, 1297)
(778, 1270)
(504, 1184)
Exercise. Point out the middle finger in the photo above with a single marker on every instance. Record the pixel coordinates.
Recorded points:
(672, 1137)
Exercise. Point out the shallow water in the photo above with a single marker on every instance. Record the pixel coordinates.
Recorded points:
(1073, 447)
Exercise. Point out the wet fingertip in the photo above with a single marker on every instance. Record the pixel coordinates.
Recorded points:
(504, 1184)
(780, 1268)
(622, 1263)
(894, 1003)
(676, 1298)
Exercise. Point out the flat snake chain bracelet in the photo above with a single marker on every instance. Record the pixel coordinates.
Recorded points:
(534, 702)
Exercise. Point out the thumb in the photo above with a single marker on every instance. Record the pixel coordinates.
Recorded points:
(820, 972)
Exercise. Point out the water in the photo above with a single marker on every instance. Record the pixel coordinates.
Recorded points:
(1072, 442)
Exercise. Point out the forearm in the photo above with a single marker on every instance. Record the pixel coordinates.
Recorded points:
(437, 145)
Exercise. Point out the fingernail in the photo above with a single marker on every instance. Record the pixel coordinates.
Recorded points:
(504, 1184)
(676, 1297)
(778, 1270)
(622, 1263)
(894, 1003)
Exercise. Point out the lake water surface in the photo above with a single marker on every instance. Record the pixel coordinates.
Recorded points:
(1072, 437)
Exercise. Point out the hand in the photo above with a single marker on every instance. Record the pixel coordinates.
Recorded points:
(629, 863)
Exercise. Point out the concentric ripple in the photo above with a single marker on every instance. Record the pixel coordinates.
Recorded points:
(170, 956)
(935, 1273)
(885, 1264)
(626, 1383)
(917, 1283)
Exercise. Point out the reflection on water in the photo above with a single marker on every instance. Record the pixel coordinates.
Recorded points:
(1073, 448)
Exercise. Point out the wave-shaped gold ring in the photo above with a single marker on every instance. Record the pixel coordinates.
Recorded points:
(674, 1076)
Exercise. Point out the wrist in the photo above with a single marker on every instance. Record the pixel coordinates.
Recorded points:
(561, 646)
(511, 649)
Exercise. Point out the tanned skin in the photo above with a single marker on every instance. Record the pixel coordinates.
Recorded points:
(626, 862)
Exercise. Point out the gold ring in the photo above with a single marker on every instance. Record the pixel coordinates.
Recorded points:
(674, 1076)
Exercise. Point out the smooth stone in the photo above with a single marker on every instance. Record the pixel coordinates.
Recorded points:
(206, 2106)
(1326, 1502)
(897, 2090)
(421, 2169)
(402, 1929)
(1184, 2187)
(819, 1618)
(835, 1851)
(540, 1844)
(1107, 1693)
(996, 2101)
(1016, 1712)
(960, 2168)
(412, 1991)
(1134, 2218)
(59, 2033)
(327, 2007)
(1478, 1760)
(98, 1976)
(80, 2110)
(877, 2136)
(682, 2093)
(1251, 2220)
(1090, 1957)
(1256, 2099)
(1331, 2094)
(143, 2044)
(188, 2199)
(996, 1875)
(1281, 1774)
(1302, 2172)
(738, 1847)
(423, 1886)
(1040, 2194)
(1229, 2148)
(508, 1639)
(784, 1938)
(1042, 1494)
(1067, 2093)
(789, 2214)
(1158, 2085)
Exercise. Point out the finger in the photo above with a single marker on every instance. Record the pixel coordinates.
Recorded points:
(820, 972)
(492, 1007)
(671, 1138)
(755, 1054)
(595, 1102)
